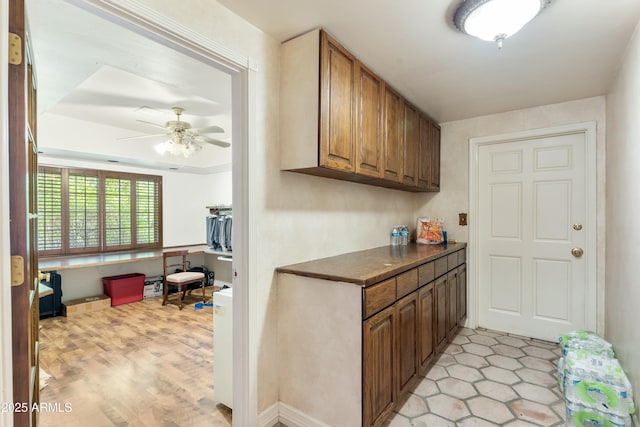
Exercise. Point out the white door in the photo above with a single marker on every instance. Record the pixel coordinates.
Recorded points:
(533, 210)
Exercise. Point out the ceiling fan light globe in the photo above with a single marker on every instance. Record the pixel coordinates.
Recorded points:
(161, 148)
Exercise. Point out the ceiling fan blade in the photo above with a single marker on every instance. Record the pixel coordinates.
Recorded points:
(142, 136)
(210, 129)
(152, 124)
(212, 141)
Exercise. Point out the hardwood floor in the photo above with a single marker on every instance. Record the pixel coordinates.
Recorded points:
(137, 364)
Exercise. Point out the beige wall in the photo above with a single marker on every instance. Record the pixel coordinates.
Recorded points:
(299, 217)
(623, 210)
(454, 191)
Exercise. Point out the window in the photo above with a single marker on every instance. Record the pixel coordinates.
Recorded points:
(49, 209)
(92, 211)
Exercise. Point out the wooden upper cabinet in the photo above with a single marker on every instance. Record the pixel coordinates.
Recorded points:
(339, 120)
(410, 153)
(337, 105)
(369, 92)
(424, 153)
(393, 135)
(434, 182)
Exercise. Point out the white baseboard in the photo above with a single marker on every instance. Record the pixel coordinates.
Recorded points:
(291, 417)
(270, 416)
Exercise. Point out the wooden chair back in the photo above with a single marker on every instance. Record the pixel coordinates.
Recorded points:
(174, 254)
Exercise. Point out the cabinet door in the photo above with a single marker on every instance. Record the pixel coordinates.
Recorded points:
(411, 140)
(441, 312)
(369, 90)
(337, 106)
(424, 153)
(407, 315)
(392, 142)
(378, 364)
(452, 302)
(462, 294)
(426, 324)
(434, 183)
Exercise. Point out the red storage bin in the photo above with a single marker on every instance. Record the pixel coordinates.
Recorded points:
(124, 288)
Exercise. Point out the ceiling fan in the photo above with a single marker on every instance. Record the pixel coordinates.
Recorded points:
(182, 138)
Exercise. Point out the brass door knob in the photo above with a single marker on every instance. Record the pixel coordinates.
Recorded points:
(577, 252)
(577, 227)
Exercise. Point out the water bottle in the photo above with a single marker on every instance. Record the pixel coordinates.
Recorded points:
(395, 237)
(404, 235)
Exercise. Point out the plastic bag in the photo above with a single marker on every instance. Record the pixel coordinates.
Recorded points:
(429, 231)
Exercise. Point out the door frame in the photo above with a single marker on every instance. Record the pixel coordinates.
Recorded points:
(243, 70)
(589, 130)
(6, 362)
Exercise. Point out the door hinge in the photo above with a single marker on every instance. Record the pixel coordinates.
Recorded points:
(15, 49)
(17, 270)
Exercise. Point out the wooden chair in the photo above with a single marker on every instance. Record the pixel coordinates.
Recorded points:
(182, 280)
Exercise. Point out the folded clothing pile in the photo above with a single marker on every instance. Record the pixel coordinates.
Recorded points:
(596, 390)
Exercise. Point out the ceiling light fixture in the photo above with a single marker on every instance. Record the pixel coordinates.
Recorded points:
(183, 140)
(180, 144)
(496, 20)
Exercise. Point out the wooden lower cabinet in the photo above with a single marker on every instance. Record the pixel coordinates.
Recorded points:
(426, 325)
(452, 302)
(441, 313)
(403, 340)
(360, 348)
(379, 366)
(407, 312)
(462, 294)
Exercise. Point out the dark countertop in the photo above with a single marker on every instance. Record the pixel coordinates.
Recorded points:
(371, 266)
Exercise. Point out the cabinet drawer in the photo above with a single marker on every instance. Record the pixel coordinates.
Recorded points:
(462, 256)
(407, 282)
(452, 260)
(426, 273)
(441, 266)
(379, 296)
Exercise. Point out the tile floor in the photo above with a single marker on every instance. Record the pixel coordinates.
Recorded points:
(487, 378)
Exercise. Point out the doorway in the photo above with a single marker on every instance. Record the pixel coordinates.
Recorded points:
(533, 236)
(146, 22)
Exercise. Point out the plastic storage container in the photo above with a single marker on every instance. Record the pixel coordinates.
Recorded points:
(581, 416)
(595, 388)
(124, 288)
